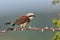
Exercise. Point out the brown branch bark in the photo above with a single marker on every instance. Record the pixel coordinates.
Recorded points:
(30, 28)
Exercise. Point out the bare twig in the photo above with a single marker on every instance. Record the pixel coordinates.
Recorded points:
(30, 28)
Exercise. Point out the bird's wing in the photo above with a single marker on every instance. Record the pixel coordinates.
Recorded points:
(22, 20)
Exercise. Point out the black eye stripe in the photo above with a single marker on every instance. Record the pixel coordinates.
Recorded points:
(31, 16)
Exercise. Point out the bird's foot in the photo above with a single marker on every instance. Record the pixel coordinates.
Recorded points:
(22, 29)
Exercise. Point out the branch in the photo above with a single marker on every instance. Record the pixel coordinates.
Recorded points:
(30, 28)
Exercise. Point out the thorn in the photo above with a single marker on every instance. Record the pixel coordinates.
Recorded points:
(42, 30)
(46, 27)
(53, 30)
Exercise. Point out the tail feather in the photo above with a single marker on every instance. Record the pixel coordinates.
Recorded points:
(13, 24)
(8, 23)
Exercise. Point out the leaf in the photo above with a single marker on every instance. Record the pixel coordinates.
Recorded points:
(54, 2)
(54, 20)
(57, 36)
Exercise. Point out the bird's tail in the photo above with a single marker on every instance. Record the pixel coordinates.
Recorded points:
(8, 23)
(13, 24)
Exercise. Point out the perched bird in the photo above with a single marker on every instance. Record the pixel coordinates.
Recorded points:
(23, 20)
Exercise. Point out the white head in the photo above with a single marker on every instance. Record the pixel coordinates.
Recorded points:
(30, 15)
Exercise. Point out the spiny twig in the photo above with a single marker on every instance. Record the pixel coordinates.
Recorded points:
(30, 28)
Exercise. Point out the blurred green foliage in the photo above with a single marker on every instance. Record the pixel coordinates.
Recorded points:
(54, 2)
(57, 36)
(56, 22)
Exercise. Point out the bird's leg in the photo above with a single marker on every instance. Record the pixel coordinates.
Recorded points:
(21, 27)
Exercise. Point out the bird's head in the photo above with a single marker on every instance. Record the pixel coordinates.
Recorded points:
(30, 15)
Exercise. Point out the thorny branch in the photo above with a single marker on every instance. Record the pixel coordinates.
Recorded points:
(31, 28)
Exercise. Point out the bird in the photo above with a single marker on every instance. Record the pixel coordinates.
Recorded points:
(22, 21)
